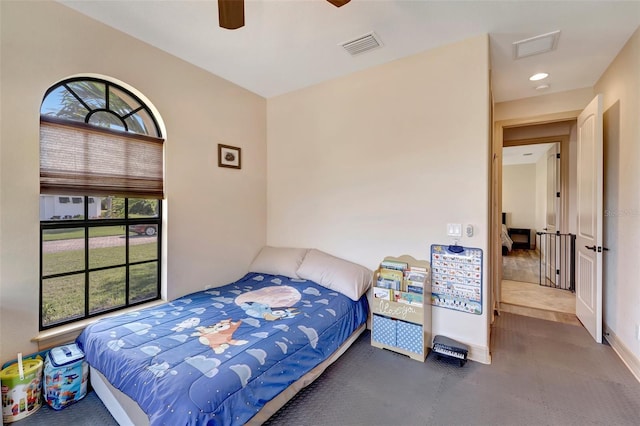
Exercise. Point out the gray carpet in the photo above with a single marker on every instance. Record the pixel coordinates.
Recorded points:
(543, 373)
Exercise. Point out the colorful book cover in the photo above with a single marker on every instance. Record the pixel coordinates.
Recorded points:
(392, 264)
(382, 293)
(415, 289)
(411, 298)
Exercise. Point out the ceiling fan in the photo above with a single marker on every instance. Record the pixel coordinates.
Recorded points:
(231, 12)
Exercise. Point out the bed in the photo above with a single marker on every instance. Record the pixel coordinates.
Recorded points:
(507, 243)
(229, 355)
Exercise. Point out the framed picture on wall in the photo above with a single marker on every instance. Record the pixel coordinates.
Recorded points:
(229, 156)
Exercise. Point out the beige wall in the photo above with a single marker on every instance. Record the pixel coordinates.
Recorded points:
(620, 85)
(519, 195)
(216, 218)
(542, 105)
(378, 162)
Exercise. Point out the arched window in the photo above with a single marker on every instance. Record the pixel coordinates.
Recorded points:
(101, 189)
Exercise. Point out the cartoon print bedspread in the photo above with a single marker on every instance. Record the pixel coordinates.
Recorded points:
(216, 357)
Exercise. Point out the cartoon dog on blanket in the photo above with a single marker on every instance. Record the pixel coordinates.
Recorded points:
(219, 336)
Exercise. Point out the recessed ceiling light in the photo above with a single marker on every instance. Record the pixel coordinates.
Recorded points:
(542, 87)
(539, 76)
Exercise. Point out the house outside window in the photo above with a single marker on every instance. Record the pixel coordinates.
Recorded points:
(101, 190)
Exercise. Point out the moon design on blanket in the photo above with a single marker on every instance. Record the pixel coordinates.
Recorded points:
(270, 303)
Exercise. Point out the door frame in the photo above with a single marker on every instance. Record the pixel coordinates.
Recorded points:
(495, 188)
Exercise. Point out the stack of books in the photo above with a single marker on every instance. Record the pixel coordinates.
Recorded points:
(399, 282)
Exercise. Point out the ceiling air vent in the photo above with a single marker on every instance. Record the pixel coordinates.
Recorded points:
(362, 44)
(535, 45)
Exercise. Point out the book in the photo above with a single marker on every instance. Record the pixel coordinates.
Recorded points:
(393, 264)
(415, 289)
(388, 283)
(415, 276)
(410, 298)
(390, 274)
(382, 293)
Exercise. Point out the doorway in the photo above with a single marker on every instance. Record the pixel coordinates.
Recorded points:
(535, 186)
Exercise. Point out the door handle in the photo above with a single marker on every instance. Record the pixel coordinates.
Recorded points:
(591, 247)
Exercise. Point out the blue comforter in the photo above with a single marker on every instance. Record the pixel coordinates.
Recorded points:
(216, 357)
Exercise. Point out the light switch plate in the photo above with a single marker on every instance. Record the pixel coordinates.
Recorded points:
(454, 229)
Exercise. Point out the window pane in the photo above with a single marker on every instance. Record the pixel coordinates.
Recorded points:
(61, 103)
(142, 208)
(62, 299)
(92, 93)
(121, 102)
(143, 282)
(62, 251)
(107, 120)
(61, 207)
(107, 208)
(142, 123)
(107, 246)
(143, 247)
(106, 289)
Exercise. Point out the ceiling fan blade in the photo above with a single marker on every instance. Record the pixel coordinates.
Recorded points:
(231, 14)
(338, 3)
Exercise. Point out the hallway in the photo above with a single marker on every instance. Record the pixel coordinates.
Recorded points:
(536, 301)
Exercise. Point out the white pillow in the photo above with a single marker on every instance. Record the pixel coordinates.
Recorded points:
(346, 277)
(278, 261)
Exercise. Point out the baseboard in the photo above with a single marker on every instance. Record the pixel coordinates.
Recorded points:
(479, 354)
(630, 360)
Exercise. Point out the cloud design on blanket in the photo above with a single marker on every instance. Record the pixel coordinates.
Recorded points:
(207, 366)
(243, 371)
(258, 354)
(331, 311)
(151, 350)
(138, 328)
(251, 321)
(188, 323)
(115, 345)
(179, 337)
(283, 327)
(323, 301)
(158, 314)
(213, 292)
(217, 305)
(222, 299)
(311, 334)
(258, 278)
(283, 347)
(160, 370)
(312, 291)
(260, 335)
(198, 311)
(276, 281)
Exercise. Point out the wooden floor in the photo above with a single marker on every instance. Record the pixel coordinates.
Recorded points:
(536, 301)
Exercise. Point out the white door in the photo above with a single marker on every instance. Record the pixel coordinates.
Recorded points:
(550, 242)
(589, 226)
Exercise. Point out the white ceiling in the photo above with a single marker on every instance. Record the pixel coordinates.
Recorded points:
(524, 154)
(290, 44)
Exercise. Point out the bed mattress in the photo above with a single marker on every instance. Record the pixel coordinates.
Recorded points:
(219, 356)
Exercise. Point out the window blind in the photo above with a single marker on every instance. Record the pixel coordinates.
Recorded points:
(80, 159)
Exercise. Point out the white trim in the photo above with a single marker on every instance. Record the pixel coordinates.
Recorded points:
(628, 358)
(479, 354)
